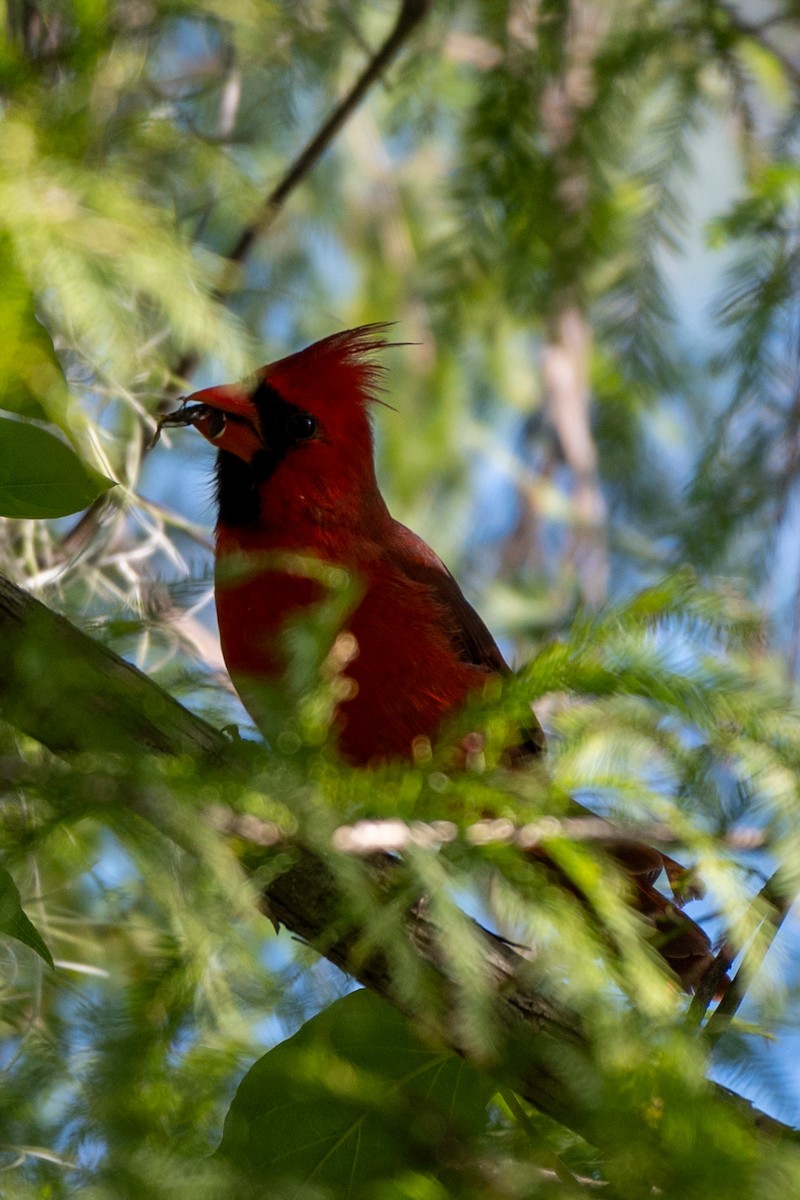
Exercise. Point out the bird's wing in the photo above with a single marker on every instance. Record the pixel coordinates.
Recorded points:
(472, 641)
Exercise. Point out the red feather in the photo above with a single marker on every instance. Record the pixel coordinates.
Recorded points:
(297, 478)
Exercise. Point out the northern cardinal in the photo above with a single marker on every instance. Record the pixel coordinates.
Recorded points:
(295, 476)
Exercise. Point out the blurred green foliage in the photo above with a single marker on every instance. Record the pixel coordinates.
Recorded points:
(514, 193)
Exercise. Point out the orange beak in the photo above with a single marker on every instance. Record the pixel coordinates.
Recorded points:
(224, 415)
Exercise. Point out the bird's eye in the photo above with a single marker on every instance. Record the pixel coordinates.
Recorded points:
(217, 423)
(301, 426)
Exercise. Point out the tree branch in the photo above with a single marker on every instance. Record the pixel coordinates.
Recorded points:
(71, 693)
(75, 695)
(410, 14)
(780, 902)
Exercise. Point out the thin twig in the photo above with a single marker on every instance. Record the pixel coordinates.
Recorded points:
(409, 16)
(392, 835)
(779, 905)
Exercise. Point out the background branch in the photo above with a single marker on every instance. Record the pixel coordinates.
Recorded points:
(410, 14)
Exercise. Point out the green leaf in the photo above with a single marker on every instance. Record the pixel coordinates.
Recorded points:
(40, 476)
(32, 381)
(353, 1097)
(13, 920)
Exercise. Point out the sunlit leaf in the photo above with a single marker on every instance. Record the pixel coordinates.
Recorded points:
(32, 381)
(14, 921)
(40, 476)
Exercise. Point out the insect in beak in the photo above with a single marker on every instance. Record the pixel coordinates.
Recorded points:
(190, 413)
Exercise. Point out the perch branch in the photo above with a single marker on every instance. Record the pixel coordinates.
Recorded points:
(74, 695)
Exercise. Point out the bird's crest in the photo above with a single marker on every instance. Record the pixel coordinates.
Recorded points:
(341, 364)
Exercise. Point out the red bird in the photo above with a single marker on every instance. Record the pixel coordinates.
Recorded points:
(296, 476)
